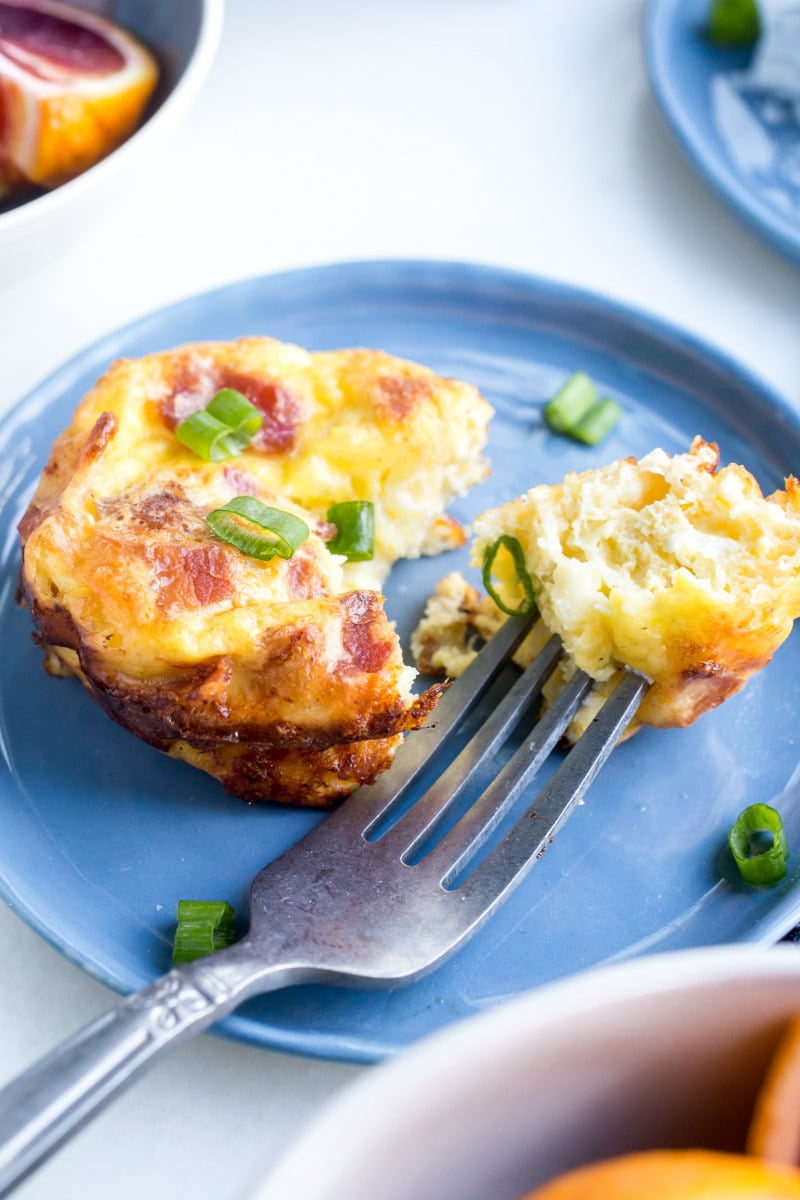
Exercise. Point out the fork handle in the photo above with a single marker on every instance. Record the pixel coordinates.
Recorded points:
(42, 1107)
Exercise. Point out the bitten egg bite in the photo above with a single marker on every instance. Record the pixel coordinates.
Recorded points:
(282, 678)
(683, 572)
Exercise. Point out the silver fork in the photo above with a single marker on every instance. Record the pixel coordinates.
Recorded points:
(345, 905)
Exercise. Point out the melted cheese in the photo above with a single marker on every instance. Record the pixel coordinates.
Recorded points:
(198, 647)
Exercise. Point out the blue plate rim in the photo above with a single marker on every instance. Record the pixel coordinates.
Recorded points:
(724, 182)
(459, 271)
(459, 275)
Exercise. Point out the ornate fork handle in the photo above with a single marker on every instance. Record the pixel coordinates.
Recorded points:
(40, 1108)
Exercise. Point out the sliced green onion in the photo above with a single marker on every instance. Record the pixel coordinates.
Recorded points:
(206, 437)
(223, 429)
(282, 532)
(577, 411)
(355, 529)
(761, 867)
(571, 403)
(515, 550)
(734, 22)
(236, 411)
(203, 927)
(598, 422)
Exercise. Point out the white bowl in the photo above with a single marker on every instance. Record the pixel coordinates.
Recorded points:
(658, 1052)
(183, 35)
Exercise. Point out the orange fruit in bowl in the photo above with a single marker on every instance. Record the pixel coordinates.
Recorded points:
(73, 86)
(774, 1131)
(676, 1175)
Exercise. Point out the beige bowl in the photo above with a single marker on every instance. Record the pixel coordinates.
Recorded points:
(658, 1052)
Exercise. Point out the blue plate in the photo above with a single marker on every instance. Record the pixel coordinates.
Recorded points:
(102, 835)
(745, 143)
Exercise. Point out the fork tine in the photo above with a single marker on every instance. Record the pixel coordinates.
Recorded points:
(427, 813)
(527, 840)
(471, 831)
(368, 804)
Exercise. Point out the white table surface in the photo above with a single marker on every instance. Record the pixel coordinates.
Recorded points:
(503, 131)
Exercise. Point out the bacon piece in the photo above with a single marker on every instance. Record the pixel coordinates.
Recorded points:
(101, 434)
(363, 633)
(280, 409)
(190, 576)
(190, 387)
(304, 580)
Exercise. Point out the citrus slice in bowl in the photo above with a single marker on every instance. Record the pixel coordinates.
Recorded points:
(73, 85)
(675, 1175)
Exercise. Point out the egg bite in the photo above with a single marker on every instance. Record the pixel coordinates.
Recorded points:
(667, 565)
(283, 678)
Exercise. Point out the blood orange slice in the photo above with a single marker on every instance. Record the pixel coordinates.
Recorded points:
(72, 87)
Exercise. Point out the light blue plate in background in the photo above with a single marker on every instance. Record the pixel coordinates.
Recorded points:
(102, 835)
(745, 143)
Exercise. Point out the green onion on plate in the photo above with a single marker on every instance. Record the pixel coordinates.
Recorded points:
(734, 22)
(203, 927)
(577, 411)
(757, 824)
(571, 403)
(598, 422)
